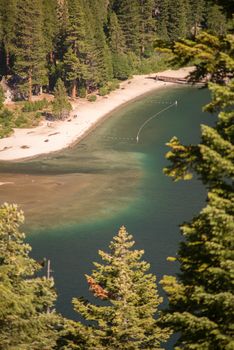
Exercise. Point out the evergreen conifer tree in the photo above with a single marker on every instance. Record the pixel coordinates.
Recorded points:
(75, 56)
(8, 22)
(162, 15)
(61, 104)
(121, 68)
(126, 320)
(2, 97)
(178, 19)
(147, 26)
(201, 299)
(116, 37)
(212, 56)
(50, 27)
(216, 21)
(26, 319)
(128, 13)
(30, 46)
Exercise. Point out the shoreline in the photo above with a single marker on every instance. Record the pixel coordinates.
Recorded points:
(50, 137)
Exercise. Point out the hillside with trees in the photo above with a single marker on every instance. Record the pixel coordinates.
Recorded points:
(89, 43)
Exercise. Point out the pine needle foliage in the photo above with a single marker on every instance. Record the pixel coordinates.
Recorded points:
(129, 299)
(201, 297)
(25, 300)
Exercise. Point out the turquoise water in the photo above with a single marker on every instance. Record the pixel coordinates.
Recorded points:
(75, 200)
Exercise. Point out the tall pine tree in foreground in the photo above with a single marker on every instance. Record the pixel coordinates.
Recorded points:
(30, 52)
(130, 300)
(201, 297)
(212, 56)
(26, 320)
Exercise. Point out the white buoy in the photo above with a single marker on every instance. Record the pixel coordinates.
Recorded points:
(176, 102)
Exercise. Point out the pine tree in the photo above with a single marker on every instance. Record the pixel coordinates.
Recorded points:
(177, 19)
(101, 52)
(196, 13)
(2, 97)
(50, 27)
(61, 104)
(121, 68)
(128, 13)
(212, 56)
(162, 14)
(216, 21)
(25, 301)
(116, 36)
(76, 54)
(29, 46)
(8, 22)
(126, 320)
(201, 299)
(147, 26)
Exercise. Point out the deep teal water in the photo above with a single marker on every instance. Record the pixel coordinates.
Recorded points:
(138, 194)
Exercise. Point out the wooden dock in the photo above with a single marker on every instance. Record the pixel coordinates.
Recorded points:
(177, 80)
(172, 79)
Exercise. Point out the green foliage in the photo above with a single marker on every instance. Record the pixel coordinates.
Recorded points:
(216, 21)
(113, 85)
(35, 106)
(201, 297)
(6, 123)
(92, 98)
(211, 55)
(2, 97)
(129, 18)
(76, 46)
(30, 56)
(147, 27)
(61, 104)
(128, 301)
(25, 300)
(110, 86)
(82, 92)
(121, 66)
(156, 63)
(8, 21)
(116, 36)
(41, 41)
(104, 90)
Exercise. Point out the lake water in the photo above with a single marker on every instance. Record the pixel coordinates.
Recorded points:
(76, 200)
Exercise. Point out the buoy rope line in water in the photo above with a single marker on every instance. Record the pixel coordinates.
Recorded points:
(153, 116)
(143, 125)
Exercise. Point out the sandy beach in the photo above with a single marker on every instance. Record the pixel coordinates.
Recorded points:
(53, 136)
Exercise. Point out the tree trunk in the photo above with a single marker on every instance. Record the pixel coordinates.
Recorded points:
(7, 61)
(51, 55)
(30, 86)
(74, 88)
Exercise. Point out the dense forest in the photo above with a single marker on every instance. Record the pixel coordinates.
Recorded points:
(81, 46)
(89, 43)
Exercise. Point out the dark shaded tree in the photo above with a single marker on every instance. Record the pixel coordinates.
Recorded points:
(201, 298)
(26, 319)
(30, 54)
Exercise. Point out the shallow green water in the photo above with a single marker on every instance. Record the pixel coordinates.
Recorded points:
(76, 200)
